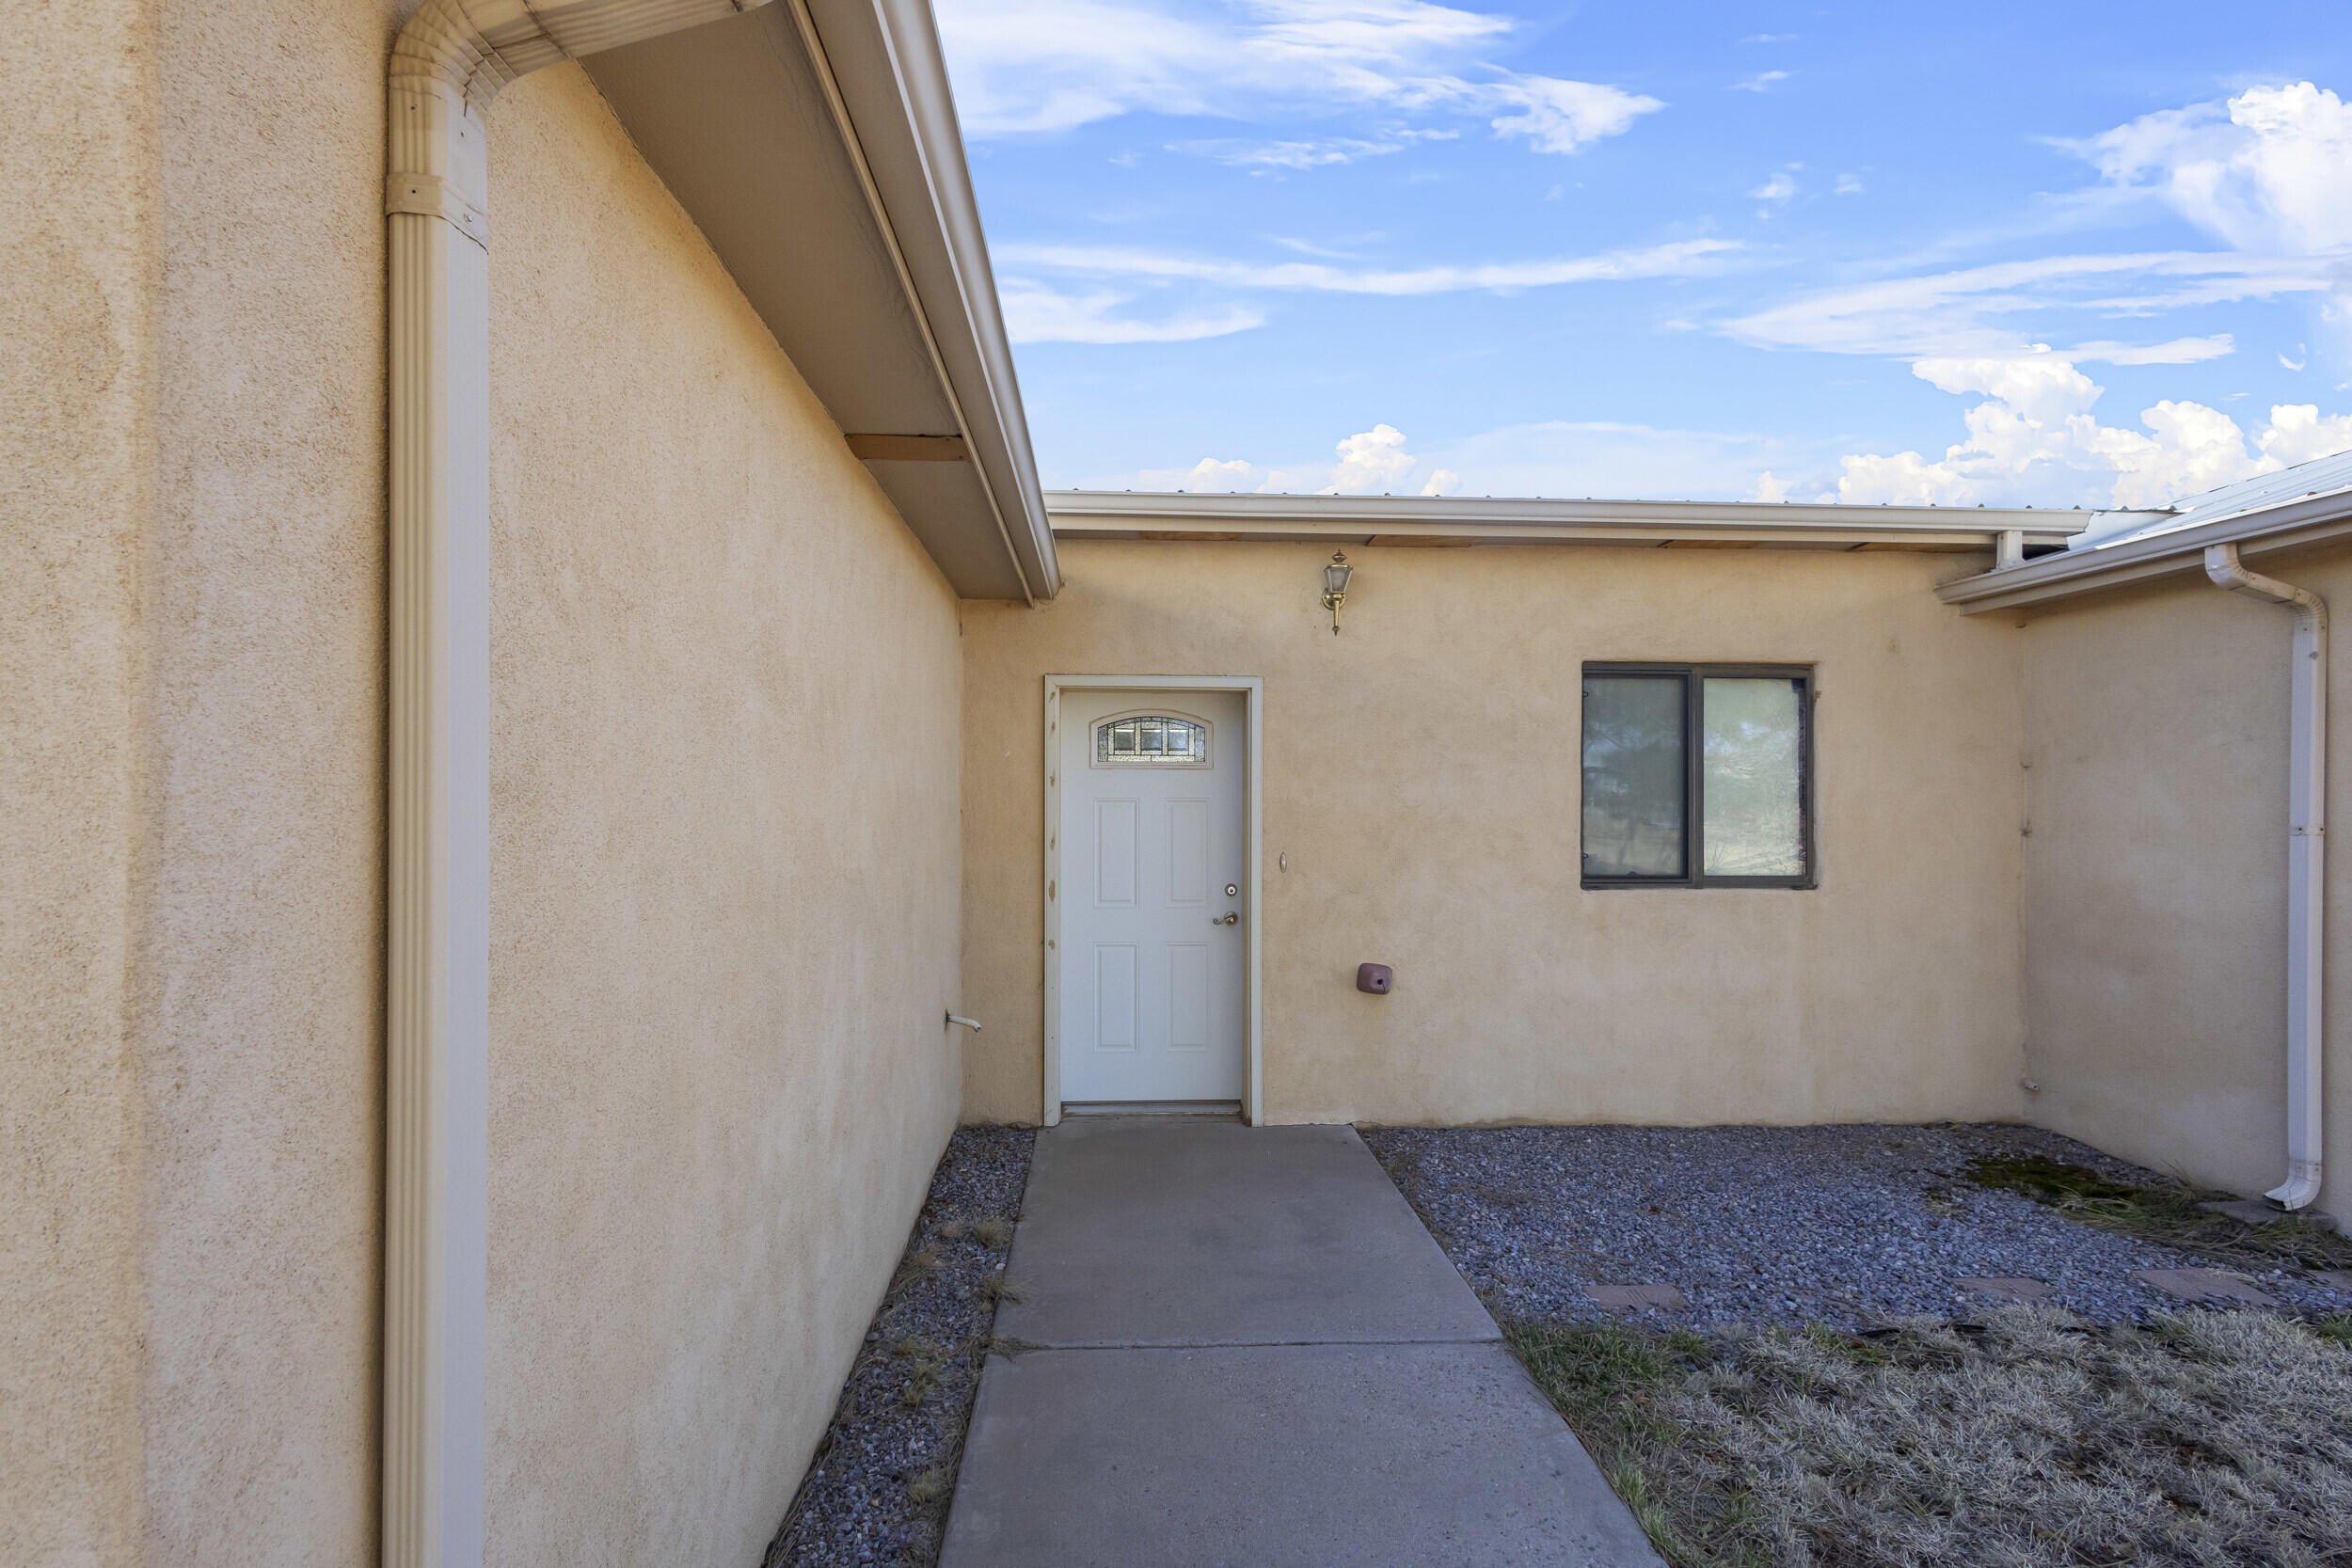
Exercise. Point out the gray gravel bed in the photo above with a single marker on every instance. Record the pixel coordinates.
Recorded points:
(1846, 1225)
(877, 1489)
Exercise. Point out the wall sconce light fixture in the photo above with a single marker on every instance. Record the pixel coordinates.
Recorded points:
(1335, 587)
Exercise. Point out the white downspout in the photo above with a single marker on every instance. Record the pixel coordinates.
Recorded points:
(447, 66)
(2307, 864)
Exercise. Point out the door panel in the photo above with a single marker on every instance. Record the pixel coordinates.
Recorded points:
(1114, 853)
(1113, 996)
(1188, 851)
(1188, 996)
(1153, 1007)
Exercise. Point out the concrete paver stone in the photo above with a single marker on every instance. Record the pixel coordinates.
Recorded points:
(2203, 1285)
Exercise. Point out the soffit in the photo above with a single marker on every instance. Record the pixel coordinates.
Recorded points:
(840, 241)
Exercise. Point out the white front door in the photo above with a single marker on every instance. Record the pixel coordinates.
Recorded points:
(1152, 924)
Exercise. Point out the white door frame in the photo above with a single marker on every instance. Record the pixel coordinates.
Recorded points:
(1254, 696)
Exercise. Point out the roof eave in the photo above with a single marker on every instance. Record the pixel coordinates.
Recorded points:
(893, 79)
(2296, 525)
(815, 144)
(1490, 520)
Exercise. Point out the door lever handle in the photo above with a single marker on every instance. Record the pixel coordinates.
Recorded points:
(1231, 917)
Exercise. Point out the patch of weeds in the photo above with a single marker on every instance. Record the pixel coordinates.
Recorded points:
(2336, 1328)
(1009, 1346)
(931, 1486)
(2170, 1213)
(1608, 1380)
(993, 1233)
(2033, 1437)
(996, 1288)
(917, 1266)
(926, 1365)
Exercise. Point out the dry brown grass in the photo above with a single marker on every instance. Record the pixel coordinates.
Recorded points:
(2034, 1438)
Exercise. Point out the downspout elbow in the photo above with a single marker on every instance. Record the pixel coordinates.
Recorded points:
(2307, 840)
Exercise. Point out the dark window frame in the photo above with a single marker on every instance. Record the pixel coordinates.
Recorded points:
(1695, 773)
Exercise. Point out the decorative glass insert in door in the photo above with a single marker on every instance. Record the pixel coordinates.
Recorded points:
(1152, 740)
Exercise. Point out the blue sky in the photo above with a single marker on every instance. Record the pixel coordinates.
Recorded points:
(2055, 254)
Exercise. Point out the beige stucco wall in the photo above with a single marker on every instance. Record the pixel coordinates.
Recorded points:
(724, 892)
(1421, 774)
(2155, 878)
(78, 254)
(725, 861)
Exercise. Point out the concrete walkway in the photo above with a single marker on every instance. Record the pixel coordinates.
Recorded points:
(1249, 1353)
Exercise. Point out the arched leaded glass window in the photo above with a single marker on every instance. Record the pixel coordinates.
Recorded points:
(1152, 740)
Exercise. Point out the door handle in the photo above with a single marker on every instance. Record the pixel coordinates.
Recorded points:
(1231, 917)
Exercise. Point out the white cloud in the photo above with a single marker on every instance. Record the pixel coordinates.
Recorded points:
(1769, 487)
(1600, 458)
(1847, 184)
(1035, 314)
(1761, 82)
(1288, 155)
(1371, 460)
(1562, 117)
(1977, 311)
(2297, 433)
(2180, 351)
(1683, 258)
(1049, 65)
(1780, 187)
(1612, 459)
(2269, 171)
(2034, 438)
(1211, 474)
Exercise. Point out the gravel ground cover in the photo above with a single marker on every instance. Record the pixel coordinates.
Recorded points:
(1848, 1227)
(877, 1489)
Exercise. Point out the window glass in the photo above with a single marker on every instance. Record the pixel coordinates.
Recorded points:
(1634, 775)
(1752, 811)
(1153, 739)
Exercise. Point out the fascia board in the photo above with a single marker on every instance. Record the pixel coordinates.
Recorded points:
(2298, 524)
(1082, 515)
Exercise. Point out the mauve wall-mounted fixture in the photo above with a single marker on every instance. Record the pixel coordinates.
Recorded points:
(1376, 978)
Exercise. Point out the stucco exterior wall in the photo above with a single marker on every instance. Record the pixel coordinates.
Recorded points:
(725, 861)
(2155, 878)
(258, 994)
(78, 252)
(725, 890)
(1421, 773)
